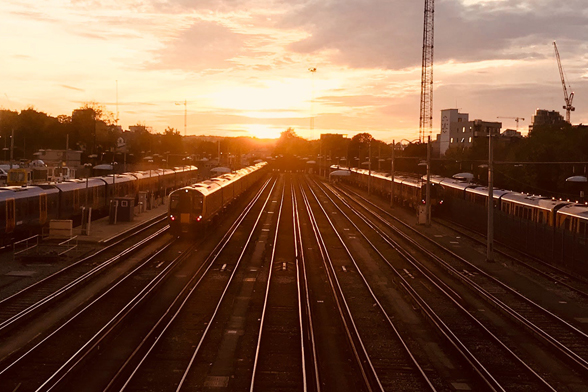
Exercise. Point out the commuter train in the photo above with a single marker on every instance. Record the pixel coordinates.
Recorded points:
(24, 210)
(193, 207)
(408, 191)
(562, 214)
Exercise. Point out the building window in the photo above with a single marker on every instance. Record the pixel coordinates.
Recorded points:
(451, 140)
(470, 140)
(463, 139)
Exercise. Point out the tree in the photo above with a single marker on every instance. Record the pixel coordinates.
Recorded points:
(291, 144)
(171, 141)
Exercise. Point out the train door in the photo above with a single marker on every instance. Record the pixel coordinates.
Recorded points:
(10, 218)
(76, 199)
(42, 208)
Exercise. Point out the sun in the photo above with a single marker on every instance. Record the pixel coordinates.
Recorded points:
(263, 131)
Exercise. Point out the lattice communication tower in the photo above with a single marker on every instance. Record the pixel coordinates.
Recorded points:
(426, 116)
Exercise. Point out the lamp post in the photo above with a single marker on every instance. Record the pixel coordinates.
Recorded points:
(490, 234)
(312, 71)
(86, 215)
(114, 178)
(392, 174)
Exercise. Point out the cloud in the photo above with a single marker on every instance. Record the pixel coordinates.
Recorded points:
(388, 34)
(202, 46)
(71, 87)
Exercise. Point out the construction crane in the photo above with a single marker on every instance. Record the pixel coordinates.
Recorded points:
(567, 98)
(426, 116)
(514, 118)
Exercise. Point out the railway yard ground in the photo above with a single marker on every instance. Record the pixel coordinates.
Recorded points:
(22, 271)
(302, 285)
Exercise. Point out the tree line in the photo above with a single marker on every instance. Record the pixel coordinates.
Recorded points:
(93, 130)
(538, 164)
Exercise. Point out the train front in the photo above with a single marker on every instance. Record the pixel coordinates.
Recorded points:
(185, 211)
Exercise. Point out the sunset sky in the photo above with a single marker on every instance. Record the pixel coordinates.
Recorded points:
(242, 65)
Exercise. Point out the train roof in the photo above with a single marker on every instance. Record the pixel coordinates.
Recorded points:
(79, 184)
(454, 183)
(184, 168)
(575, 210)
(11, 192)
(482, 190)
(208, 186)
(120, 178)
(542, 202)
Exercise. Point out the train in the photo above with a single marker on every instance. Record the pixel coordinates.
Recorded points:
(562, 214)
(26, 209)
(409, 191)
(192, 208)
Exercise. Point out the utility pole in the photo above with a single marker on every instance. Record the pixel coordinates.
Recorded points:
(428, 187)
(312, 71)
(392, 174)
(185, 117)
(370, 168)
(185, 103)
(490, 236)
(11, 147)
(116, 120)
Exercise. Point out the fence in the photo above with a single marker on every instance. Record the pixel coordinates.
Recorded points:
(545, 242)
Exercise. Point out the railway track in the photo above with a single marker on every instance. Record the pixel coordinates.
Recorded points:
(564, 339)
(79, 332)
(184, 327)
(19, 311)
(280, 361)
(573, 282)
(98, 355)
(380, 350)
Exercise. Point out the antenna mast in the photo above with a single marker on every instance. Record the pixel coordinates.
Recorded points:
(116, 120)
(426, 116)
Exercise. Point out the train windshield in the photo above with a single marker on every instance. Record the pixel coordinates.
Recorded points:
(186, 202)
(180, 202)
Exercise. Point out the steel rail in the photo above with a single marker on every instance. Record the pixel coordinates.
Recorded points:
(474, 362)
(548, 275)
(301, 274)
(85, 259)
(80, 312)
(69, 366)
(372, 293)
(454, 272)
(342, 303)
(576, 359)
(192, 286)
(266, 297)
(221, 300)
(77, 281)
